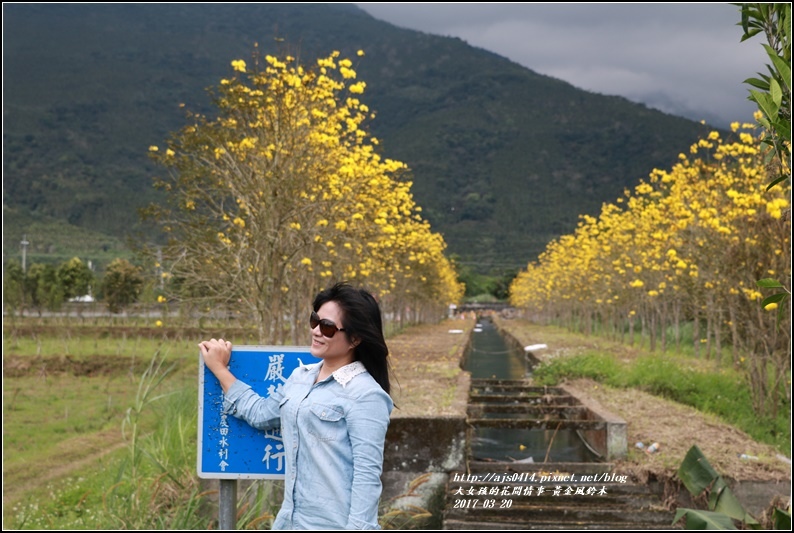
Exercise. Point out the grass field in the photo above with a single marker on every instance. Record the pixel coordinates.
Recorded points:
(100, 419)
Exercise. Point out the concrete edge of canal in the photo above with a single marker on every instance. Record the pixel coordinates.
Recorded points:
(419, 455)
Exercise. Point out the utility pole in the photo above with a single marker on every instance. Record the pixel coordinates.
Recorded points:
(24, 244)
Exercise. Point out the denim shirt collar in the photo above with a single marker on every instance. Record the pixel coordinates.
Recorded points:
(343, 375)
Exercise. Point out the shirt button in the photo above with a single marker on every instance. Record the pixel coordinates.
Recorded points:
(323, 414)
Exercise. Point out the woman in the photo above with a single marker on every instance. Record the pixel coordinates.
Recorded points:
(333, 414)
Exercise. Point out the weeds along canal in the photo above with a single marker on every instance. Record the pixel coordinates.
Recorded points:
(491, 356)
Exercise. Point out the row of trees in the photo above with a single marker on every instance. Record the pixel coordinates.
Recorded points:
(284, 191)
(46, 286)
(687, 245)
(696, 243)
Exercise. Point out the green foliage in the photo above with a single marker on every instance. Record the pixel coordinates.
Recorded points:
(773, 99)
(600, 367)
(774, 95)
(781, 518)
(698, 476)
(696, 519)
(495, 284)
(13, 286)
(74, 278)
(121, 285)
(42, 287)
(778, 298)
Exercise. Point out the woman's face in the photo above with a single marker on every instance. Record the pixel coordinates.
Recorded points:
(337, 349)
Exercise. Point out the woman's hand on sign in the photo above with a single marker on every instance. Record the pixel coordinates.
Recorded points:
(216, 354)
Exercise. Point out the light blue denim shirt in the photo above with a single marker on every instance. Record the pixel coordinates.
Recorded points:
(333, 433)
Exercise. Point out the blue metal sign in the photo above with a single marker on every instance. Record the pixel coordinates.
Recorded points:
(229, 448)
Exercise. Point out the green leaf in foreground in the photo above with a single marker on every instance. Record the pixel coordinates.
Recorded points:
(769, 283)
(696, 519)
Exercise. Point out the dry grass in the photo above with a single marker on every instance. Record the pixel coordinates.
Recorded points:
(426, 363)
(677, 428)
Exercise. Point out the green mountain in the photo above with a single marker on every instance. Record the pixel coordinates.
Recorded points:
(503, 159)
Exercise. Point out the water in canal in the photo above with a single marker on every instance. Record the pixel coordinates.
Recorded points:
(491, 357)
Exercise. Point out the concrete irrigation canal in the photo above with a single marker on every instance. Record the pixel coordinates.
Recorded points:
(539, 457)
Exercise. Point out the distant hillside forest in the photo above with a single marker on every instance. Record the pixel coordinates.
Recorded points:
(502, 159)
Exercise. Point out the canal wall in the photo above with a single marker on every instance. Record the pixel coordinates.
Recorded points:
(419, 454)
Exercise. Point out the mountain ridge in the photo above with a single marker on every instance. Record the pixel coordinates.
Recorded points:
(503, 159)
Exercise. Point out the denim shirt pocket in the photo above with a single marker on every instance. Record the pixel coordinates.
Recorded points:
(326, 422)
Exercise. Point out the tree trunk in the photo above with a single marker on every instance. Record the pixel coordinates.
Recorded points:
(677, 319)
(718, 336)
(735, 342)
(631, 331)
(696, 332)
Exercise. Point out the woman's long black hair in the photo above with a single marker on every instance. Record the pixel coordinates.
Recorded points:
(361, 320)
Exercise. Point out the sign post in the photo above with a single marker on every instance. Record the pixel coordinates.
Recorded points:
(229, 449)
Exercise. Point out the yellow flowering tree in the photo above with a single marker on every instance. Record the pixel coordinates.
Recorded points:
(686, 245)
(281, 193)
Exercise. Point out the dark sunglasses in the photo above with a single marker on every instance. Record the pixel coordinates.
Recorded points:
(327, 328)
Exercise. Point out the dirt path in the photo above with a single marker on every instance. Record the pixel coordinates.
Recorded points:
(426, 366)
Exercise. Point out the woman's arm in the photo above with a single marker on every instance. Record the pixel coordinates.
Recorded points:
(367, 422)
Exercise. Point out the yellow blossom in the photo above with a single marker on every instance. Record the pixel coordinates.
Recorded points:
(357, 88)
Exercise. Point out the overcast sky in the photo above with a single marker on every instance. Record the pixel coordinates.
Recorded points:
(681, 58)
